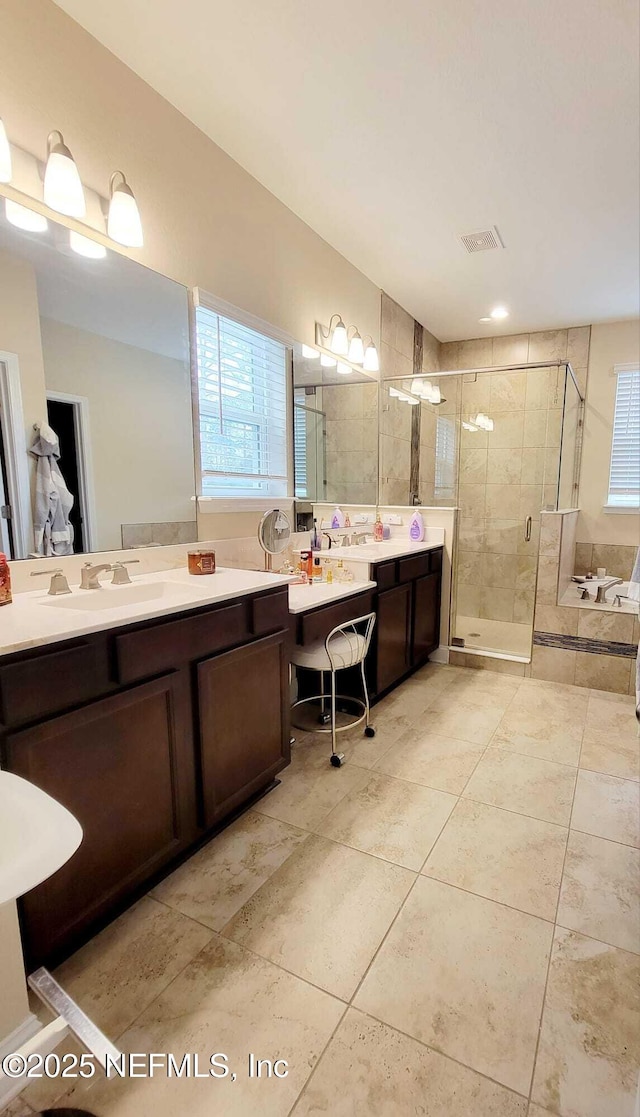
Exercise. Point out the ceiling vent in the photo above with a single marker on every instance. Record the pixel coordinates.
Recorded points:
(480, 242)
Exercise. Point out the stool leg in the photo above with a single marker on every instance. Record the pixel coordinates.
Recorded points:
(336, 757)
(368, 730)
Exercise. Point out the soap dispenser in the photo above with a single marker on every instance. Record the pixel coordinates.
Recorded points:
(416, 528)
(378, 528)
(337, 520)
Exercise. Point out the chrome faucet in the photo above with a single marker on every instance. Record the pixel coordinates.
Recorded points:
(359, 537)
(59, 583)
(89, 575)
(604, 586)
(120, 572)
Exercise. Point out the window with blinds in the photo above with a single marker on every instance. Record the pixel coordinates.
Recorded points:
(445, 471)
(300, 449)
(242, 396)
(624, 476)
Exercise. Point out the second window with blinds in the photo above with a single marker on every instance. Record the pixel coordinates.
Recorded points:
(242, 401)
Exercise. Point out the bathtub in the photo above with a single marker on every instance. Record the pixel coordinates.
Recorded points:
(572, 597)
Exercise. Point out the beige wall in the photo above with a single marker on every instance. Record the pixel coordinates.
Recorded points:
(14, 1006)
(139, 406)
(611, 344)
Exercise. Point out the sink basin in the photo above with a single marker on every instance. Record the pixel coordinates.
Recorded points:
(95, 601)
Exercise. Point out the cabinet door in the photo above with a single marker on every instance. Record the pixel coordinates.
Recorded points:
(124, 767)
(393, 635)
(243, 700)
(426, 616)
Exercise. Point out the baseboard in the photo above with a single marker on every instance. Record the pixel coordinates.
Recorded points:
(30, 1026)
(441, 654)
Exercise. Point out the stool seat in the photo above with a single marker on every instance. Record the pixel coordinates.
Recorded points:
(346, 651)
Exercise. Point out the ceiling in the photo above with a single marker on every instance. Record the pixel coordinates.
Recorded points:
(391, 129)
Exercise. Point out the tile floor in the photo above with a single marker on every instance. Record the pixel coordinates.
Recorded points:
(449, 925)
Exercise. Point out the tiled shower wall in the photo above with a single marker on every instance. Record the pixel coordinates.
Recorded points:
(351, 425)
(511, 472)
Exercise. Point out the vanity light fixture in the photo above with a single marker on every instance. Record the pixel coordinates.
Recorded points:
(327, 362)
(485, 319)
(123, 223)
(469, 426)
(62, 186)
(499, 312)
(84, 246)
(404, 397)
(370, 362)
(5, 155)
(483, 422)
(344, 369)
(309, 352)
(24, 218)
(339, 342)
(356, 348)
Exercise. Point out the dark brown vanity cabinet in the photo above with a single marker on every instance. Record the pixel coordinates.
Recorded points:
(408, 616)
(393, 636)
(173, 726)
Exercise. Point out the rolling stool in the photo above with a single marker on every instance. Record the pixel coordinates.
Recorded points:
(345, 646)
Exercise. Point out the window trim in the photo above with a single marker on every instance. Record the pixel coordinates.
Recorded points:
(242, 502)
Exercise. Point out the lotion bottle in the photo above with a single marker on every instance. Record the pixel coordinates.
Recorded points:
(416, 528)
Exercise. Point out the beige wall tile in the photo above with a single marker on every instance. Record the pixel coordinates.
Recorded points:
(550, 533)
(532, 472)
(477, 353)
(526, 569)
(513, 349)
(471, 498)
(523, 605)
(582, 562)
(471, 534)
(504, 466)
(596, 624)
(530, 501)
(503, 502)
(556, 664)
(548, 345)
(556, 618)
(508, 429)
(604, 672)
(499, 570)
(471, 440)
(473, 466)
(578, 346)
(547, 585)
(581, 380)
(534, 428)
(528, 546)
(468, 600)
(496, 604)
(476, 395)
(537, 389)
(554, 427)
(469, 568)
(617, 561)
(501, 536)
(508, 391)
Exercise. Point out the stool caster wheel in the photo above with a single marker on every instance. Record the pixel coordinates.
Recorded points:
(324, 719)
(337, 759)
(369, 731)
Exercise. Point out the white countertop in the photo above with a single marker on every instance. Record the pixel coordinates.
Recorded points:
(380, 552)
(314, 594)
(36, 618)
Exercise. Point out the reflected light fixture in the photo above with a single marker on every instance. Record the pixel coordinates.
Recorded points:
(309, 352)
(5, 155)
(370, 362)
(499, 312)
(62, 186)
(327, 362)
(24, 218)
(344, 369)
(483, 422)
(356, 348)
(469, 426)
(123, 223)
(84, 246)
(485, 319)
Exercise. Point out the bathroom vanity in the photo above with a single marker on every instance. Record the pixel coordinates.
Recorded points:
(152, 734)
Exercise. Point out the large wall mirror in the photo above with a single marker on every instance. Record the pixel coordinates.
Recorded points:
(94, 387)
(419, 440)
(335, 433)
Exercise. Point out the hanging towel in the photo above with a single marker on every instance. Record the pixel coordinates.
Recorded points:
(634, 595)
(53, 503)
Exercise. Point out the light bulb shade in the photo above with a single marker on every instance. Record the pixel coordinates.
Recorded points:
(417, 386)
(356, 349)
(309, 352)
(5, 156)
(84, 246)
(327, 362)
(62, 186)
(24, 218)
(339, 340)
(499, 312)
(344, 369)
(371, 362)
(123, 223)
(436, 394)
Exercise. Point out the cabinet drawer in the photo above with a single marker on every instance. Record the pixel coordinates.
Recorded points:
(317, 625)
(413, 567)
(30, 689)
(386, 574)
(270, 613)
(162, 647)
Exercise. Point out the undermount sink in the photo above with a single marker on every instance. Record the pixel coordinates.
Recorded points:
(117, 596)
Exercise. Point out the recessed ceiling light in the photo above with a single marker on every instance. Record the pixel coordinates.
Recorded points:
(499, 312)
(485, 319)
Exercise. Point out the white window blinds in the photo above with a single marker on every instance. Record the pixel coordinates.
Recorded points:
(624, 477)
(242, 396)
(300, 449)
(445, 476)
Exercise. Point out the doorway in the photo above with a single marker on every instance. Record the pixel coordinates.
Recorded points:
(6, 534)
(67, 417)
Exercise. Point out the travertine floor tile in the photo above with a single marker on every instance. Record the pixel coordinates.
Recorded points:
(369, 1068)
(501, 855)
(323, 914)
(229, 1001)
(430, 759)
(587, 1064)
(449, 717)
(601, 891)
(310, 787)
(485, 688)
(214, 884)
(116, 975)
(607, 807)
(466, 976)
(531, 729)
(390, 818)
(613, 714)
(524, 784)
(612, 755)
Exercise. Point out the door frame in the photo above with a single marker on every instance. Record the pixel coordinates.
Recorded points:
(86, 493)
(17, 483)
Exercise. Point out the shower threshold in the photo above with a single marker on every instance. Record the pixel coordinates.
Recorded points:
(498, 639)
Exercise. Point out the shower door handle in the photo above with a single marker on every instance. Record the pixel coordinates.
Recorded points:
(527, 529)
